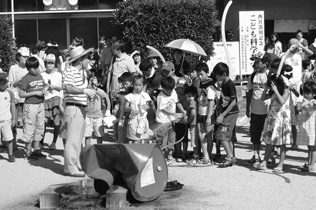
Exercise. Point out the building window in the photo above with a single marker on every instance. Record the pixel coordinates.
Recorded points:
(85, 28)
(108, 4)
(25, 31)
(49, 29)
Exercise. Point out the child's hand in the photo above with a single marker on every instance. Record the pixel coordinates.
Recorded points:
(39, 93)
(273, 87)
(12, 123)
(219, 119)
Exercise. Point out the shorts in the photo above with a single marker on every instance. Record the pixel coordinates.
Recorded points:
(256, 127)
(94, 126)
(225, 130)
(165, 131)
(52, 111)
(201, 119)
(181, 132)
(6, 130)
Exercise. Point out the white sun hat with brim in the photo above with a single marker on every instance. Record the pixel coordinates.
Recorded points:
(78, 52)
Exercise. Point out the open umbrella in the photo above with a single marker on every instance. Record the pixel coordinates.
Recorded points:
(187, 45)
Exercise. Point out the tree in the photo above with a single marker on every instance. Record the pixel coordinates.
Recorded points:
(7, 44)
(158, 22)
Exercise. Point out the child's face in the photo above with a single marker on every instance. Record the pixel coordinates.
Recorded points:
(137, 58)
(193, 75)
(126, 84)
(147, 72)
(220, 78)
(34, 71)
(3, 85)
(189, 97)
(50, 65)
(202, 75)
(138, 85)
(167, 91)
(258, 65)
(153, 61)
(309, 96)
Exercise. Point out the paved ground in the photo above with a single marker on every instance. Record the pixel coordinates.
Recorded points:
(238, 187)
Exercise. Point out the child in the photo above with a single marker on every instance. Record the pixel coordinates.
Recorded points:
(229, 112)
(167, 101)
(138, 102)
(259, 108)
(7, 115)
(307, 70)
(277, 127)
(120, 127)
(306, 134)
(181, 127)
(205, 118)
(191, 95)
(94, 115)
(32, 89)
(53, 98)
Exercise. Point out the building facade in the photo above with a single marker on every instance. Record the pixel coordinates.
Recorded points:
(61, 20)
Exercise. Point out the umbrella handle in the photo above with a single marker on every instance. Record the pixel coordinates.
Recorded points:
(224, 37)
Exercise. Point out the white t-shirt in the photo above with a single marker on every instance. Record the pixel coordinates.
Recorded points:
(16, 73)
(258, 106)
(295, 60)
(138, 103)
(204, 97)
(6, 99)
(55, 78)
(166, 102)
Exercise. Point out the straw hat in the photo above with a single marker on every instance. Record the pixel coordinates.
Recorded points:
(78, 52)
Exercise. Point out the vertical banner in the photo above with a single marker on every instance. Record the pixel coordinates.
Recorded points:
(220, 56)
(251, 31)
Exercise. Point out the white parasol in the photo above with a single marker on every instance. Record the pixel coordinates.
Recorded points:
(187, 45)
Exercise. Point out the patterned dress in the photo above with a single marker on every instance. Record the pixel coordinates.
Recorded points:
(306, 134)
(277, 126)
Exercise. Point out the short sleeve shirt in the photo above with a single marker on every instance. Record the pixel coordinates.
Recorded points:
(258, 106)
(31, 83)
(123, 64)
(138, 103)
(55, 78)
(6, 98)
(229, 94)
(168, 103)
(95, 104)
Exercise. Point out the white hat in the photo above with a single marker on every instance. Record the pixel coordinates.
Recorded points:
(24, 51)
(78, 52)
(51, 57)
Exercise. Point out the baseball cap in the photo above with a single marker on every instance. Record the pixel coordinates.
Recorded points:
(168, 66)
(24, 51)
(3, 76)
(50, 57)
(261, 56)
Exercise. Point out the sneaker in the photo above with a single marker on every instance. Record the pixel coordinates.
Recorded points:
(262, 166)
(170, 161)
(228, 162)
(271, 162)
(39, 154)
(294, 147)
(52, 146)
(11, 158)
(254, 160)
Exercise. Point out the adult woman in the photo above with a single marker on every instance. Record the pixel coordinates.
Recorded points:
(277, 44)
(180, 63)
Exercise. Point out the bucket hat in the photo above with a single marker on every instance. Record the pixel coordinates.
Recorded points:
(78, 52)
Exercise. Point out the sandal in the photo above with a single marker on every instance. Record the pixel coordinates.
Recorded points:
(173, 185)
(261, 166)
(307, 168)
(170, 161)
(203, 162)
(228, 162)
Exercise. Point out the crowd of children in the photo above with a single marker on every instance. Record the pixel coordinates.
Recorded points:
(166, 103)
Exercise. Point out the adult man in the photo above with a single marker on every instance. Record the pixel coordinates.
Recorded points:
(105, 58)
(121, 62)
(76, 95)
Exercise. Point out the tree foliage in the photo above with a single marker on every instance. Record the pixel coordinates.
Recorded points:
(158, 22)
(7, 44)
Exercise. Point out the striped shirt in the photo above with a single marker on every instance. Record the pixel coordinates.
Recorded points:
(76, 78)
